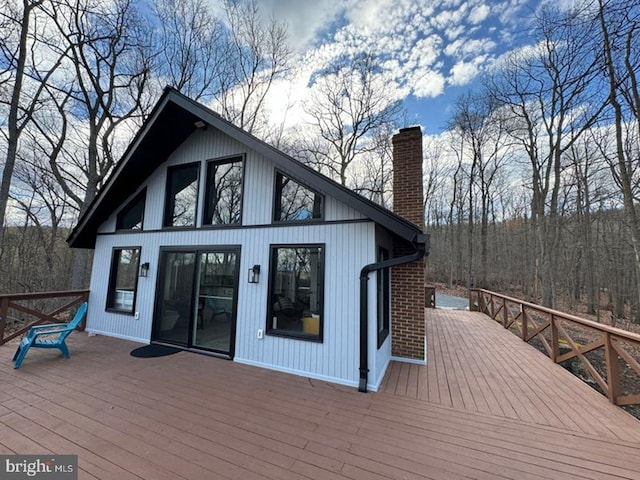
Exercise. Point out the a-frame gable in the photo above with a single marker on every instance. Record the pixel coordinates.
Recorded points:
(171, 122)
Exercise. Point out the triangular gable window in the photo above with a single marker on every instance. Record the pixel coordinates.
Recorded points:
(131, 217)
(296, 202)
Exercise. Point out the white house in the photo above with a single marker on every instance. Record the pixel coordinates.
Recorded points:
(209, 239)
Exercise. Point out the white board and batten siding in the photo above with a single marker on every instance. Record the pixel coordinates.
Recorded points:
(380, 356)
(348, 247)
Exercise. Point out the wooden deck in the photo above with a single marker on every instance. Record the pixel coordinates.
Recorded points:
(475, 365)
(474, 412)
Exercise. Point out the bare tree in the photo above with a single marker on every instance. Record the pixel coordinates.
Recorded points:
(108, 55)
(477, 123)
(434, 182)
(458, 216)
(441, 193)
(256, 55)
(550, 92)
(619, 24)
(348, 106)
(44, 208)
(587, 173)
(373, 178)
(190, 46)
(26, 68)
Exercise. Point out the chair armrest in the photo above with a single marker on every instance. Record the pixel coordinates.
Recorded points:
(50, 331)
(48, 325)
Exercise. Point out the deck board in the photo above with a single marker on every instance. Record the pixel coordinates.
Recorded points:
(487, 369)
(486, 406)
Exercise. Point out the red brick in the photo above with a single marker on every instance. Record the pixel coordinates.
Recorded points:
(407, 284)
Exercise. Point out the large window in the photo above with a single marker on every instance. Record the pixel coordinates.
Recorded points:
(384, 295)
(181, 203)
(295, 202)
(223, 204)
(296, 288)
(123, 280)
(132, 215)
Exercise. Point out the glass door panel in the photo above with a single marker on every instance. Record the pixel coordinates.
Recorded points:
(196, 299)
(216, 294)
(173, 319)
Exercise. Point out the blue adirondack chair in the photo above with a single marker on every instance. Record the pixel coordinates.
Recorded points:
(54, 335)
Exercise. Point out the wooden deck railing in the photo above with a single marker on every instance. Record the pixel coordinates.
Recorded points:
(20, 311)
(567, 337)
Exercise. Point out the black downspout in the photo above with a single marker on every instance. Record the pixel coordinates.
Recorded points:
(420, 244)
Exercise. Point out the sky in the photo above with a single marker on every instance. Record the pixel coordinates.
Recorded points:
(431, 51)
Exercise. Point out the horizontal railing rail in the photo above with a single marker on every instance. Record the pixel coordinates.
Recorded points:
(568, 337)
(21, 311)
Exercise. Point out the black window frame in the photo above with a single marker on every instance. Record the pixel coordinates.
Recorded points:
(113, 276)
(270, 294)
(209, 165)
(168, 213)
(383, 290)
(277, 200)
(141, 197)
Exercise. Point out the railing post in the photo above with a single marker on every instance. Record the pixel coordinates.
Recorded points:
(83, 324)
(493, 307)
(4, 311)
(613, 370)
(525, 323)
(505, 314)
(555, 344)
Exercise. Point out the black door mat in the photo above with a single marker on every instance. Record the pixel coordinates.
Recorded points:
(152, 350)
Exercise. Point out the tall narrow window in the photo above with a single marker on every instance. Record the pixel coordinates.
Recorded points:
(295, 202)
(296, 289)
(131, 217)
(383, 290)
(223, 204)
(181, 202)
(123, 280)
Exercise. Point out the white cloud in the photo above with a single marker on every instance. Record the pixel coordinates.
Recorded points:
(446, 18)
(423, 46)
(454, 31)
(462, 73)
(425, 52)
(285, 102)
(305, 20)
(427, 84)
(479, 14)
(470, 48)
(510, 13)
(371, 14)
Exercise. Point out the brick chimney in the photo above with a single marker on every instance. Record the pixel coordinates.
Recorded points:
(408, 327)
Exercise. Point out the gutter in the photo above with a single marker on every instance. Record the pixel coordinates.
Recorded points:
(420, 244)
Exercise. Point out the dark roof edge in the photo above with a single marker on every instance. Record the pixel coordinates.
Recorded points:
(162, 101)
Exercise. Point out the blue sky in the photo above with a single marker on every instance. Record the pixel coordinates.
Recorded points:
(432, 51)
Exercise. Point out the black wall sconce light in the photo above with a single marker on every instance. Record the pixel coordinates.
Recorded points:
(144, 269)
(254, 274)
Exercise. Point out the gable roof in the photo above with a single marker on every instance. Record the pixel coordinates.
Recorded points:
(170, 123)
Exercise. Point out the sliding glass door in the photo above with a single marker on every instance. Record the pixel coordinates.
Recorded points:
(197, 298)
(216, 290)
(175, 303)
